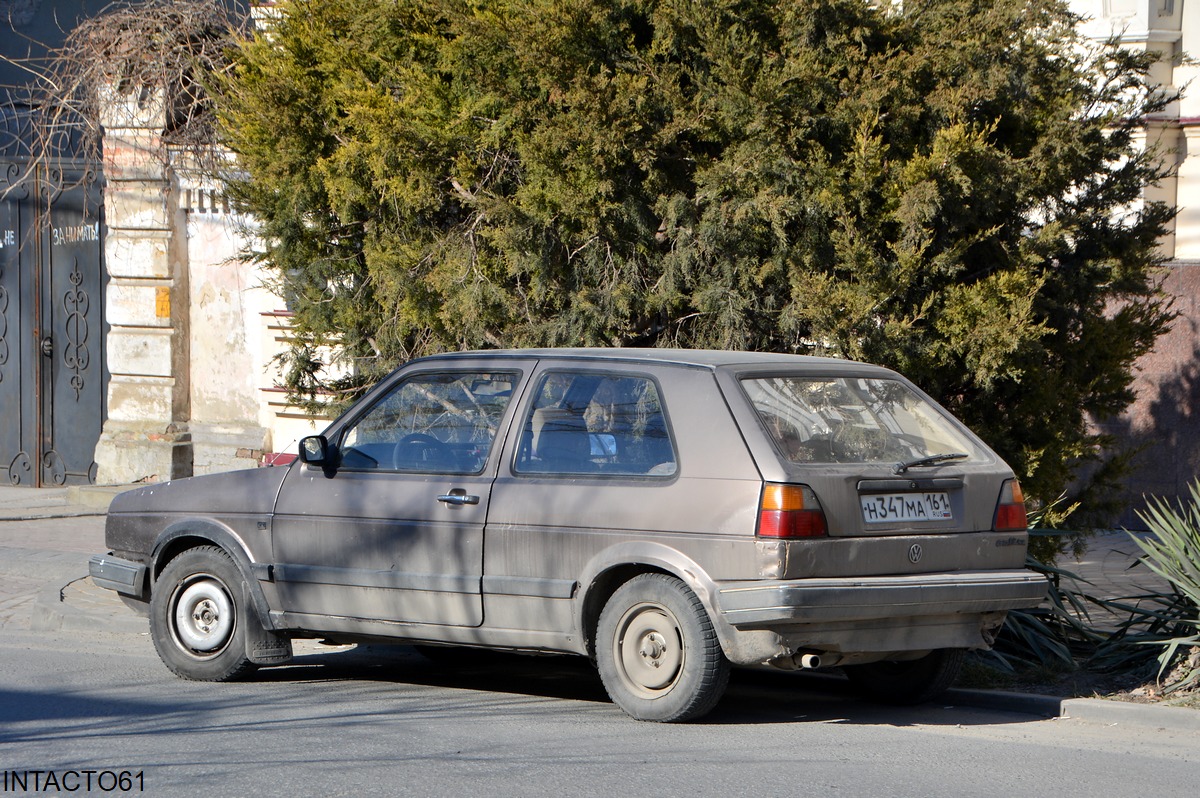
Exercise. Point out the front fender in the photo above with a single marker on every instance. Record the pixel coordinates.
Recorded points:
(192, 532)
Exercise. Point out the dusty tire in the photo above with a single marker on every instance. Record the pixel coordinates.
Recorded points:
(657, 652)
(906, 682)
(197, 618)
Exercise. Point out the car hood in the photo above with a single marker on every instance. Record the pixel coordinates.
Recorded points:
(248, 491)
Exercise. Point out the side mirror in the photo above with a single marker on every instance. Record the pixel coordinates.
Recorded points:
(314, 450)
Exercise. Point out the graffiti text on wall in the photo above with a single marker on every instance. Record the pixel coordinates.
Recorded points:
(75, 234)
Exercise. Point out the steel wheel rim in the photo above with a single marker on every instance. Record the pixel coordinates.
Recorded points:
(203, 617)
(648, 650)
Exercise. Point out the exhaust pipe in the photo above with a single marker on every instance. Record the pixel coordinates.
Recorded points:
(807, 661)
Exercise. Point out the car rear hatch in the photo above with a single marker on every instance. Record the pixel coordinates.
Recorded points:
(878, 456)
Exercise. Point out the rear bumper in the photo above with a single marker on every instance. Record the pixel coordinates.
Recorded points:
(771, 604)
(124, 576)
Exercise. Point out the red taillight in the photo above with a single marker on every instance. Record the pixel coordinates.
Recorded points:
(1010, 511)
(790, 511)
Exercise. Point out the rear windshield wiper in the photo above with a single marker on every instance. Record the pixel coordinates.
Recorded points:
(932, 459)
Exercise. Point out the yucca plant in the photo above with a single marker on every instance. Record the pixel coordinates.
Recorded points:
(1078, 630)
(1173, 552)
(1075, 629)
(1058, 636)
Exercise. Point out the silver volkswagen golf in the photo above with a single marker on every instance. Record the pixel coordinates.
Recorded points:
(667, 513)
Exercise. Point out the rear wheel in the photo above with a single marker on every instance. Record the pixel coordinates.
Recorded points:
(197, 618)
(657, 652)
(906, 682)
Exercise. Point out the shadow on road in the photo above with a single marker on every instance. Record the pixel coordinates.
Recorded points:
(753, 697)
(374, 687)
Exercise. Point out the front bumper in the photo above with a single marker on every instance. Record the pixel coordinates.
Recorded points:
(124, 576)
(771, 604)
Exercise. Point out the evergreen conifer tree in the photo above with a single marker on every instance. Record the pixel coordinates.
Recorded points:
(951, 188)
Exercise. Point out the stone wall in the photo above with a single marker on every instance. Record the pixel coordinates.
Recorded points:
(193, 331)
(145, 436)
(1162, 426)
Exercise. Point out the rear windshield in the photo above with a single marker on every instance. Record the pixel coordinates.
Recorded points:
(845, 420)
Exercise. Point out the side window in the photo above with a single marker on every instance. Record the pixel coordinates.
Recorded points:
(589, 423)
(441, 423)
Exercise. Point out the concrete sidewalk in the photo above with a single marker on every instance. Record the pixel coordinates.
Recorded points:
(48, 535)
(26, 504)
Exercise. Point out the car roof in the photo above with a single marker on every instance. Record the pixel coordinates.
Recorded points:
(695, 358)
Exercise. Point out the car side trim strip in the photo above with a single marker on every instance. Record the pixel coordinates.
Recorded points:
(355, 577)
(529, 586)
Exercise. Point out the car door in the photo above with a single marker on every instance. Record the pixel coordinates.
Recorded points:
(391, 529)
(608, 463)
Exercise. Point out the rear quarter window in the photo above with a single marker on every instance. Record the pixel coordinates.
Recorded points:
(596, 423)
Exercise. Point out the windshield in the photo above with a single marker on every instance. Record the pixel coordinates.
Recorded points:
(854, 420)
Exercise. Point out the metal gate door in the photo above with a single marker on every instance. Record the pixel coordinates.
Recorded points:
(52, 374)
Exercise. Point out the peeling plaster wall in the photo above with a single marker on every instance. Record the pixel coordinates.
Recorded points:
(184, 341)
(225, 304)
(195, 332)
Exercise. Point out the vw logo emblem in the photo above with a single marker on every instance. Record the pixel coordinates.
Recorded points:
(914, 553)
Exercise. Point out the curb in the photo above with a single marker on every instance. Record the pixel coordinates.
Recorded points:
(1089, 710)
(97, 497)
(1124, 713)
(1046, 706)
(72, 512)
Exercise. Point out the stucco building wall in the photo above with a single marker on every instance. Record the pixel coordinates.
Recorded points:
(225, 298)
(1162, 426)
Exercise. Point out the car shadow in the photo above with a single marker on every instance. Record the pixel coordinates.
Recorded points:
(753, 697)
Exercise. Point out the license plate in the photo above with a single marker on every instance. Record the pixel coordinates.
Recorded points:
(893, 507)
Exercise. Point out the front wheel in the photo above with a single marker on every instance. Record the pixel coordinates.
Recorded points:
(906, 682)
(197, 618)
(657, 652)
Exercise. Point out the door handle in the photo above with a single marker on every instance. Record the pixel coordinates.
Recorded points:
(48, 346)
(458, 496)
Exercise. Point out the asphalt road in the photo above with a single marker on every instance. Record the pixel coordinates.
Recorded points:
(387, 721)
